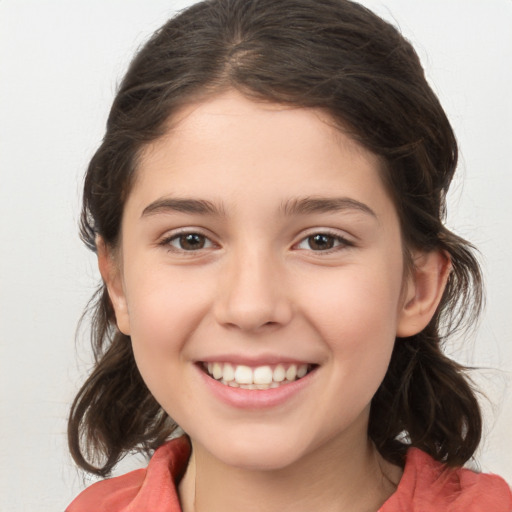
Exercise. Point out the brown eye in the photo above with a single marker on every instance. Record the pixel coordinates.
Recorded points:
(189, 242)
(192, 242)
(321, 242)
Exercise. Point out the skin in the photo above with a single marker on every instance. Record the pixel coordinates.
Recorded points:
(257, 290)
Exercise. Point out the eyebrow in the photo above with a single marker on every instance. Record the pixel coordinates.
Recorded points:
(308, 205)
(297, 206)
(183, 205)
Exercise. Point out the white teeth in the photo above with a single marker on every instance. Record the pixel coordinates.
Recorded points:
(229, 373)
(243, 375)
(302, 370)
(261, 377)
(279, 373)
(217, 371)
(291, 373)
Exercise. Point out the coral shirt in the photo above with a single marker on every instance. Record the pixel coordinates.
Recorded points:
(426, 486)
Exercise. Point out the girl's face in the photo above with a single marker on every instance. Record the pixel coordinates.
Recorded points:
(259, 242)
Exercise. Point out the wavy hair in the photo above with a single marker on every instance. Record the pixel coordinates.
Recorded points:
(333, 55)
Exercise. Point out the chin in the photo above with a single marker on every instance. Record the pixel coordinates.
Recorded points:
(256, 451)
(259, 458)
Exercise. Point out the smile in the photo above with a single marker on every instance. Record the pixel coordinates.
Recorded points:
(260, 377)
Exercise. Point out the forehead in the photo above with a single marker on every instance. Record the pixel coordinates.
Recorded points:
(234, 148)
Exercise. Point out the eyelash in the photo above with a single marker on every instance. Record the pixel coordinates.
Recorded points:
(342, 242)
(167, 241)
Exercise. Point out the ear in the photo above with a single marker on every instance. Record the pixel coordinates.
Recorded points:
(112, 277)
(424, 289)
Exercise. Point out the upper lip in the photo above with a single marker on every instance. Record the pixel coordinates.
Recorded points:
(261, 360)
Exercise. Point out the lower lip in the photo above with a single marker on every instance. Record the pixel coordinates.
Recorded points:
(256, 398)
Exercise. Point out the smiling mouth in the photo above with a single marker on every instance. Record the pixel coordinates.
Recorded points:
(259, 377)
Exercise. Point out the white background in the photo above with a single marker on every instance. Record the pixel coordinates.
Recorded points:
(60, 62)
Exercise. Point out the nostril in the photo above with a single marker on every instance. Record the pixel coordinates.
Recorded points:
(250, 295)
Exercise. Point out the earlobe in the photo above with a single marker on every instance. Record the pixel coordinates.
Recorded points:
(424, 289)
(112, 277)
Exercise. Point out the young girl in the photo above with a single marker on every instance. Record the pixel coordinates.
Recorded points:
(267, 209)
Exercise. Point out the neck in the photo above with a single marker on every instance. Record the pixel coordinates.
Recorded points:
(335, 477)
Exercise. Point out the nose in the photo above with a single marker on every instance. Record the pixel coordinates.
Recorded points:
(252, 293)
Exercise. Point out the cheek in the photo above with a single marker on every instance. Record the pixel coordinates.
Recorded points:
(164, 314)
(165, 309)
(355, 314)
(356, 300)
(360, 334)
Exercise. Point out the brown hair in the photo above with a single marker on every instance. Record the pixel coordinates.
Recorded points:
(330, 54)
